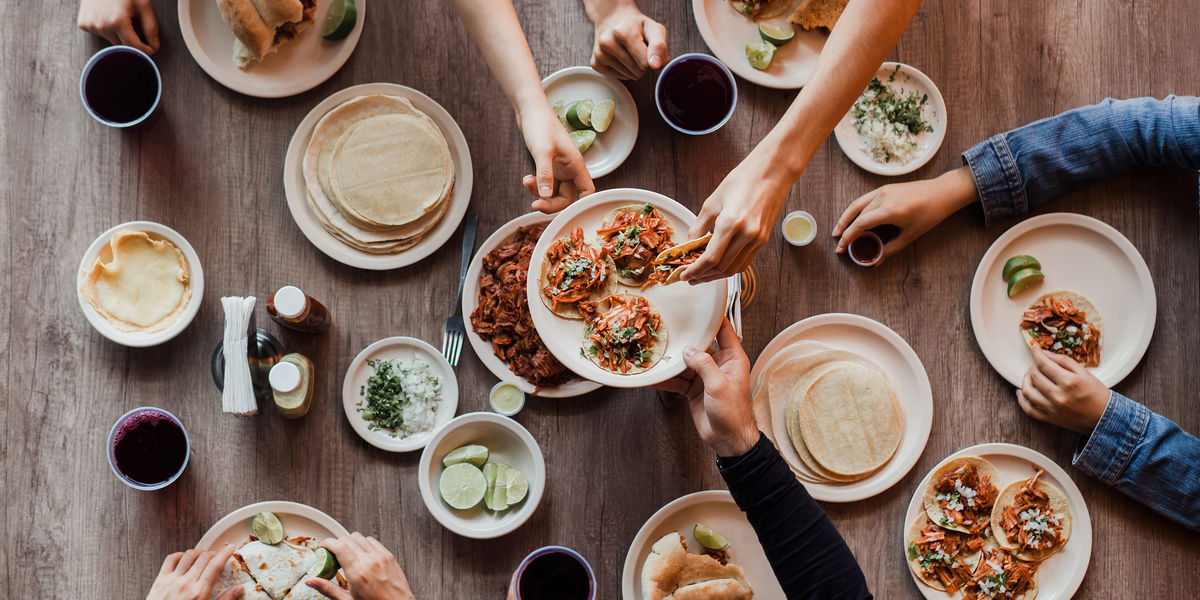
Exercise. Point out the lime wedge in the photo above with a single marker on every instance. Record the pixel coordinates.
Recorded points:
(267, 527)
(1021, 280)
(583, 139)
(490, 473)
(777, 36)
(518, 486)
(709, 538)
(1016, 263)
(474, 454)
(462, 486)
(325, 566)
(497, 500)
(602, 115)
(760, 54)
(560, 111)
(342, 17)
(579, 114)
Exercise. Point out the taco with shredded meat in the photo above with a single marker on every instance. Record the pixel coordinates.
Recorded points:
(961, 493)
(677, 258)
(1031, 519)
(633, 236)
(942, 559)
(1065, 323)
(573, 271)
(1000, 576)
(624, 334)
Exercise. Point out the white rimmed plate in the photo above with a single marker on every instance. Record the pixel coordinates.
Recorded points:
(507, 442)
(1058, 576)
(137, 339)
(1078, 254)
(470, 300)
(403, 348)
(692, 314)
(297, 519)
(306, 219)
(299, 65)
(612, 147)
(908, 79)
(904, 370)
(727, 32)
(718, 511)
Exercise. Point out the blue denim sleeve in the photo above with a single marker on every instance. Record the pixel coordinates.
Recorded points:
(1022, 169)
(1147, 457)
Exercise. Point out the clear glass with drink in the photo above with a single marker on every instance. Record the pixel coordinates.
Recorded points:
(695, 94)
(553, 573)
(148, 448)
(121, 87)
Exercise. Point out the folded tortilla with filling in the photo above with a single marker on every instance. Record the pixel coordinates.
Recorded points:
(277, 568)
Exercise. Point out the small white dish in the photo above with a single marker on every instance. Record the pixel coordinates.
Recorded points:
(297, 519)
(403, 348)
(1079, 254)
(1058, 576)
(612, 147)
(507, 442)
(138, 339)
(908, 79)
(298, 66)
(727, 32)
(506, 385)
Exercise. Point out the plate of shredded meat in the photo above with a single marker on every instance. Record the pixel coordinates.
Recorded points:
(501, 330)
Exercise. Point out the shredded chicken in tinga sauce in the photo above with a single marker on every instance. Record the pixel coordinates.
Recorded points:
(999, 576)
(576, 270)
(966, 499)
(682, 260)
(941, 553)
(1058, 326)
(623, 337)
(634, 240)
(1028, 522)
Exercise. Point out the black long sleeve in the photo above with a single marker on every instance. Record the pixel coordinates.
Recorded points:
(808, 555)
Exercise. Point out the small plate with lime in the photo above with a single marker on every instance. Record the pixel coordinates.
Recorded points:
(598, 113)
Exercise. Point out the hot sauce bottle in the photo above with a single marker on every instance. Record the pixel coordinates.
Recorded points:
(293, 308)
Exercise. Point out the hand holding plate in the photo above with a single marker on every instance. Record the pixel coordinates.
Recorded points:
(1062, 392)
(628, 44)
(113, 21)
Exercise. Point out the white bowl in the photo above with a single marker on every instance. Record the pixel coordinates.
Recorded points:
(508, 442)
(138, 339)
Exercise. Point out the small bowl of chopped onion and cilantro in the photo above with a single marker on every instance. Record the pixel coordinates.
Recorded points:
(896, 125)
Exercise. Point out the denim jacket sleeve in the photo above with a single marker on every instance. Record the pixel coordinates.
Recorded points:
(1147, 457)
(1025, 168)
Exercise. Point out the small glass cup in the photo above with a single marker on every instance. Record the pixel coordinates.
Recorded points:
(112, 53)
(514, 592)
(799, 214)
(870, 241)
(492, 398)
(112, 446)
(728, 81)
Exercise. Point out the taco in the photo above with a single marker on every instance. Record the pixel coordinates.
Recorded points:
(960, 494)
(677, 258)
(573, 271)
(624, 334)
(633, 236)
(761, 9)
(940, 558)
(999, 576)
(1031, 519)
(1065, 323)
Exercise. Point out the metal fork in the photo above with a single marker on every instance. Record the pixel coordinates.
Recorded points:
(452, 338)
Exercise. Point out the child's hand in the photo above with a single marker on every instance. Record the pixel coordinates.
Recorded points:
(1062, 392)
(113, 21)
(561, 176)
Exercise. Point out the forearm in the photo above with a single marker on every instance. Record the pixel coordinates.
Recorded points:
(599, 11)
(494, 26)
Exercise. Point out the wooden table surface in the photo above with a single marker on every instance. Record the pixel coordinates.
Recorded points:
(211, 168)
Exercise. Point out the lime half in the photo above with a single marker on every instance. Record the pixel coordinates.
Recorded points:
(518, 486)
(343, 15)
(462, 485)
(1016, 263)
(267, 528)
(760, 54)
(325, 566)
(579, 114)
(474, 454)
(1021, 280)
(709, 538)
(583, 139)
(777, 36)
(602, 115)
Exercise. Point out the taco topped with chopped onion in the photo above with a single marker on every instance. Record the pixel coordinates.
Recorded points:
(573, 271)
(941, 558)
(1031, 519)
(677, 258)
(999, 576)
(624, 334)
(1065, 323)
(633, 236)
(961, 493)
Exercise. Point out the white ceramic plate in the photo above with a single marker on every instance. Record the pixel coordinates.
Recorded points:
(470, 300)
(306, 219)
(1078, 254)
(297, 519)
(727, 32)
(299, 65)
(718, 511)
(507, 442)
(136, 339)
(907, 80)
(904, 370)
(612, 147)
(1058, 576)
(692, 314)
(403, 348)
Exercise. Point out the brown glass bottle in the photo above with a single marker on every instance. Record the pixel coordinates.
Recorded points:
(294, 309)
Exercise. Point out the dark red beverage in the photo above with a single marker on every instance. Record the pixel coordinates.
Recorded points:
(554, 573)
(120, 86)
(148, 447)
(866, 249)
(695, 93)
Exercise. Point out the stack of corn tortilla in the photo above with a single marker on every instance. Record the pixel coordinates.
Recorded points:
(379, 173)
(833, 414)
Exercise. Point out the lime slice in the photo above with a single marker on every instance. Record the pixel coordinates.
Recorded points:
(760, 54)
(560, 111)
(462, 485)
(325, 566)
(490, 472)
(777, 36)
(342, 17)
(579, 114)
(583, 139)
(497, 500)
(709, 538)
(518, 486)
(474, 454)
(602, 115)
(1016, 263)
(267, 528)
(1021, 280)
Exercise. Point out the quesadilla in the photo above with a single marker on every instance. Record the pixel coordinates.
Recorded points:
(262, 26)
(574, 271)
(277, 567)
(676, 259)
(1032, 519)
(633, 236)
(672, 573)
(941, 558)
(624, 334)
(1065, 323)
(961, 493)
(233, 574)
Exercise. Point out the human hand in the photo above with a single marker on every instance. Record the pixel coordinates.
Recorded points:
(191, 575)
(113, 21)
(717, 386)
(1060, 391)
(627, 44)
(914, 208)
(562, 177)
(372, 573)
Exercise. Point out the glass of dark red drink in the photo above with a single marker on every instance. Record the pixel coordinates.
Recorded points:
(695, 94)
(148, 448)
(121, 87)
(554, 573)
(866, 249)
